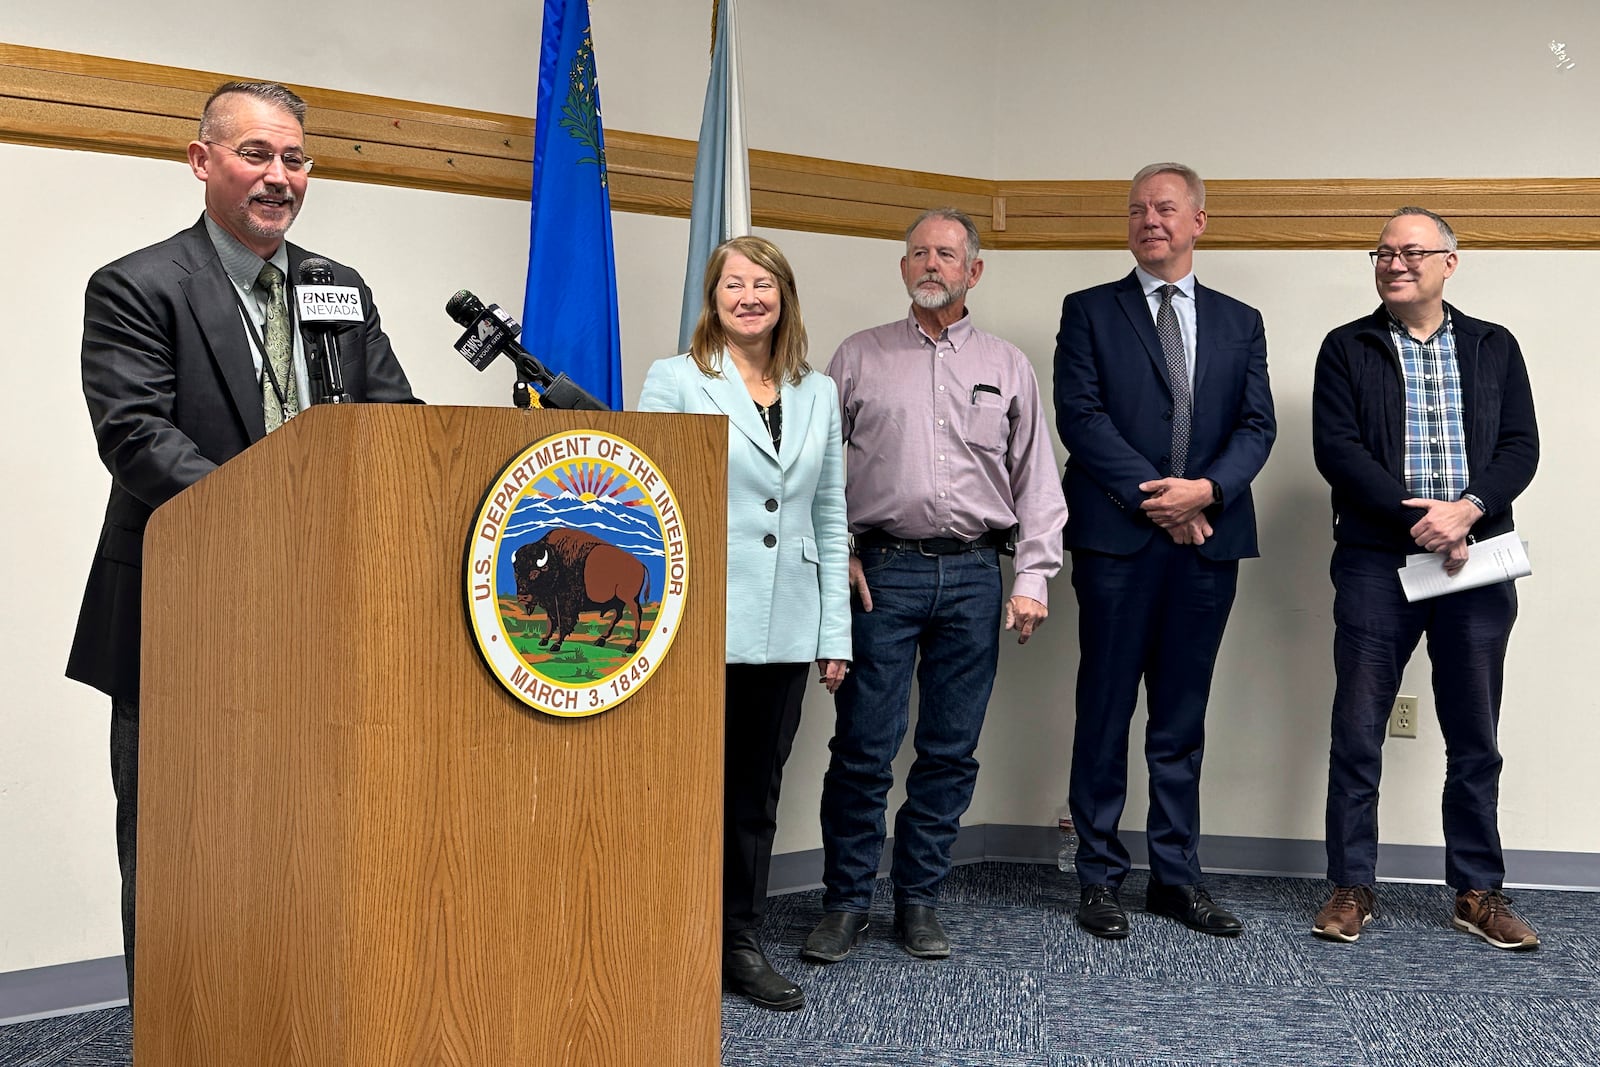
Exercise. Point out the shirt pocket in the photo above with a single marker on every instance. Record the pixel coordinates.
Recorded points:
(987, 425)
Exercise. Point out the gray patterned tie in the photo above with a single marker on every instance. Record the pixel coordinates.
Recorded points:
(280, 352)
(1177, 378)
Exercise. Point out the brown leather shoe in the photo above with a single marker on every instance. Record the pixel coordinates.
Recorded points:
(1488, 913)
(1346, 912)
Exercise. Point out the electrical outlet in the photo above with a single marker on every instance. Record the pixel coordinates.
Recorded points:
(1403, 719)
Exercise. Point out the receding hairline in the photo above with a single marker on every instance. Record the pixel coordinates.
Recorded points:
(1447, 235)
(1191, 180)
(970, 238)
(217, 109)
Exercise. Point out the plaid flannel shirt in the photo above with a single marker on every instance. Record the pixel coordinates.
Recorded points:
(1436, 441)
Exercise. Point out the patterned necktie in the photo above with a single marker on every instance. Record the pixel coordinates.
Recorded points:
(280, 352)
(1177, 378)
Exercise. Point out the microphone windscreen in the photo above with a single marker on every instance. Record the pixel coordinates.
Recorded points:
(316, 271)
(464, 308)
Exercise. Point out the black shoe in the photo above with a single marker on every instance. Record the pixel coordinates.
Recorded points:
(1193, 907)
(920, 932)
(1100, 913)
(745, 971)
(835, 936)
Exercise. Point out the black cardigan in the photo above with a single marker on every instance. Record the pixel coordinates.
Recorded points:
(1358, 428)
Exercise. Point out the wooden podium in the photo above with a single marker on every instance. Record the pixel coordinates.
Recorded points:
(355, 846)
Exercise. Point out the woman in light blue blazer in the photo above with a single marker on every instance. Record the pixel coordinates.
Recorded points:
(788, 559)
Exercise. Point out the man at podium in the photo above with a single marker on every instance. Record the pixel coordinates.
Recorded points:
(189, 356)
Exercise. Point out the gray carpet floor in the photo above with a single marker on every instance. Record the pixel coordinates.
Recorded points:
(1027, 988)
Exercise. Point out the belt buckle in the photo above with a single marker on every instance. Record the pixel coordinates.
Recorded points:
(922, 551)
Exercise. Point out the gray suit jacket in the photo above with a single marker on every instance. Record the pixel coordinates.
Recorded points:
(173, 393)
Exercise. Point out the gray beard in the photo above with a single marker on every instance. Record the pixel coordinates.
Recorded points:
(933, 299)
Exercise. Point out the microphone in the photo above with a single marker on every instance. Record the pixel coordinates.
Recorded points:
(492, 332)
(324, 306)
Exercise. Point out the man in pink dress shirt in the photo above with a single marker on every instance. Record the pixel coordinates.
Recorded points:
(949, 466)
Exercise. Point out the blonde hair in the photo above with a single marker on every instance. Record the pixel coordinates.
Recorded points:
(788, 337)
(1191, 178)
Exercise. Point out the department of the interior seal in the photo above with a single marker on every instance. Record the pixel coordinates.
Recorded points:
(577, 569)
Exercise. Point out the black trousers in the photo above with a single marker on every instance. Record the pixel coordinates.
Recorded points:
(762, 714)
(125, 783)
(1375, 632)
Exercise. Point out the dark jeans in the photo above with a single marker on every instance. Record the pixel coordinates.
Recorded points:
(1158, 615)
(125, 783)
(1375, 633)
(947, 608)
(762, 714)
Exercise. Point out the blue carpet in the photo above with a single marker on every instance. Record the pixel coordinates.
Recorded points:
(93, 1039)
(1026, 988)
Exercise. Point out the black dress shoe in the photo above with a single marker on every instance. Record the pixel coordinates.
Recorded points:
(745, 971)
(920, 932)
(1193, 907)
(835, 936)
(1100, 913)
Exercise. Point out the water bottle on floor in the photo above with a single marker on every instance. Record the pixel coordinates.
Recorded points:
(1067, 843)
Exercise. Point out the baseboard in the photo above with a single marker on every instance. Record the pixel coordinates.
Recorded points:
(41, 992)
(1278, 857)
(90, 984)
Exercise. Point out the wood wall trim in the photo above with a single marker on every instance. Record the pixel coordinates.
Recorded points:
(89, 103)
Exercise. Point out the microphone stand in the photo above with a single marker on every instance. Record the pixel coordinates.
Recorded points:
(327, 382)
(557, 392)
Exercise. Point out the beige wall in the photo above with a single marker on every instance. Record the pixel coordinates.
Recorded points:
(1009, 88)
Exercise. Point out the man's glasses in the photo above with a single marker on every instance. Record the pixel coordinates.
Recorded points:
(293, 162)
(1382, 257)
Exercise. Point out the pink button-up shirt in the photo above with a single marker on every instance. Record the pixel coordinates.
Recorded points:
(945, 437)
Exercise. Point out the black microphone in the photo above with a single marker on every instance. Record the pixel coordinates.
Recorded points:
(323, 307)
(492, 332)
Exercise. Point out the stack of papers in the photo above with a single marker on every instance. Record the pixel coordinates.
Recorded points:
(1499, 559)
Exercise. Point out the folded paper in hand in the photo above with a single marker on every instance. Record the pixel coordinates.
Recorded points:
(1499, 559)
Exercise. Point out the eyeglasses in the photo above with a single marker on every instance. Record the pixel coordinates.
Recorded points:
(293, 162)
(1412, 256)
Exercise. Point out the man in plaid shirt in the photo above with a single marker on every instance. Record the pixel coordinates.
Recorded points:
(1423, 424)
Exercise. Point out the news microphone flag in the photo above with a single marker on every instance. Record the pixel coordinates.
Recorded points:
(721, 168)
(570, 308)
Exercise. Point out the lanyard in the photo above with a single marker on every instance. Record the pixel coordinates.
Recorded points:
(278, 388)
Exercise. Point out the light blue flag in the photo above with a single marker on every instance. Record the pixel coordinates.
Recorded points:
(721, 169)
(569, 313)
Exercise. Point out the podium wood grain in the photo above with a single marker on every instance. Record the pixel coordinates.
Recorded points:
(355, 847)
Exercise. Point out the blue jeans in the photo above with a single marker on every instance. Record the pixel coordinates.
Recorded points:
(948, 609)
(1375, 632)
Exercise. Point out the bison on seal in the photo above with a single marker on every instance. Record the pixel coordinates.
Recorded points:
(569, 571)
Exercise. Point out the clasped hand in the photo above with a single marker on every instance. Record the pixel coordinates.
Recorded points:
(1443, 528)
(1178, 505)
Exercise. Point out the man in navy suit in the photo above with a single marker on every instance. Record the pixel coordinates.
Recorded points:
(177, 384)
(1163, 404)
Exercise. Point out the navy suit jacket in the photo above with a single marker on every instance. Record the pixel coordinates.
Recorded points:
(1114, 414)
(173, 393)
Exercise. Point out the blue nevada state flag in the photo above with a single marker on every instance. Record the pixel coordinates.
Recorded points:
(569, 313)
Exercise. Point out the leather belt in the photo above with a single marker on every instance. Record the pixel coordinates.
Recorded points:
(933, 546)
